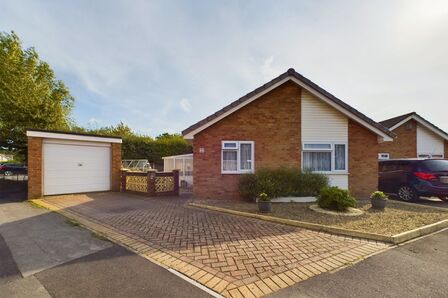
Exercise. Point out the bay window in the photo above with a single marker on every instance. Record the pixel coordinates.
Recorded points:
(237, 157)
(324, 157)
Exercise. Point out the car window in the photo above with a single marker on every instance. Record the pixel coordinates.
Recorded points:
(435, 165)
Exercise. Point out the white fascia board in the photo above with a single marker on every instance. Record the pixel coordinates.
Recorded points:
(190, 135)
(422, 122)
(385, 137)
(64, 136)
(180, 155)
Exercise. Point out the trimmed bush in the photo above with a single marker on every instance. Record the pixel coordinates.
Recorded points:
(281, 182)
(335, 198)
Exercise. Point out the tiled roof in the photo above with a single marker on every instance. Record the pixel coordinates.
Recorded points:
(394, 121)
(290, 73)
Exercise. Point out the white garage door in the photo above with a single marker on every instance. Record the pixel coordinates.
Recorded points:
(74, 167)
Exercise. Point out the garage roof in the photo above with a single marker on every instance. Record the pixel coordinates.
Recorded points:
(64, 135)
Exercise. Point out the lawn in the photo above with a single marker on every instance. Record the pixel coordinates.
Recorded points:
(396, 218)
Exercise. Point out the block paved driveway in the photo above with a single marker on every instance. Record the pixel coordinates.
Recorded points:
(232, 255)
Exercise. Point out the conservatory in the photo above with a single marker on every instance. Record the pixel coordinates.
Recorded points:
(183, 163)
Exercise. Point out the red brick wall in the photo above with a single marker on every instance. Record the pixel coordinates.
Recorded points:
(446, 150)
(34, 168)
(363, 160)
(115, 167)
(405, 144)
(272, 122)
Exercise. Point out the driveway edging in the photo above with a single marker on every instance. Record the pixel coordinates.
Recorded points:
(394, 239)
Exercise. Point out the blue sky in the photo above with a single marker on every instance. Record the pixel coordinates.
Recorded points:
(160, 66)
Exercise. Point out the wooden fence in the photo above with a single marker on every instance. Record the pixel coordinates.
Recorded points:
(152, 183)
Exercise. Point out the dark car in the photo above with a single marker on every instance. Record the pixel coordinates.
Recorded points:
(411, 178)
(8, 169)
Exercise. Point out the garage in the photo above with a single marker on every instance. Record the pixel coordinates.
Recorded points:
(65, 163)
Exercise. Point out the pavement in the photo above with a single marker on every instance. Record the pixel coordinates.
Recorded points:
(44, 255)
(416, 269)
(235, 256)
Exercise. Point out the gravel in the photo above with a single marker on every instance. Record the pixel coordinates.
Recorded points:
(395, 219)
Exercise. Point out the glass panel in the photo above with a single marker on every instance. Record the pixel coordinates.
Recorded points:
(317, 146)
(188, 167)
(317, 161)
(230, 145)
(229, 160)
(246, 156)
(339, 157)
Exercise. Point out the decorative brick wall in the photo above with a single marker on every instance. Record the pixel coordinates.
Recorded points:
(273, 122)
(34, 167)
(115, 167)
(405, 144)
(363, 160)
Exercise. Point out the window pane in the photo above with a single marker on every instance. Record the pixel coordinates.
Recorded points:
(230, 145)
(317, 161)
(339, 157)
(317, 146)
(229, 162)
(246, 156)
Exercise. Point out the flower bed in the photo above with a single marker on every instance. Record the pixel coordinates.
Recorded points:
(395, 219)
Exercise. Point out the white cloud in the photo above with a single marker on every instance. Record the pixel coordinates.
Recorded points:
(185, 105)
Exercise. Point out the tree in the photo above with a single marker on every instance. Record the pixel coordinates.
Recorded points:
(30, 95)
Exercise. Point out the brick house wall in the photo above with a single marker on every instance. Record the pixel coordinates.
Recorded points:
(362, 160)
(405, 144)
(446, 150)
(272, 121)
(34, 167)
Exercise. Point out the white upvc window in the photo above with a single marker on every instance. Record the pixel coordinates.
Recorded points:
(328, 157)
(237, 157)
(383, 156)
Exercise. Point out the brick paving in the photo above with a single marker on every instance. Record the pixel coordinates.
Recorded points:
(232, 255)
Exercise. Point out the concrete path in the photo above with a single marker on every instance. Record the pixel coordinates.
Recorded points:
(416, 269)
(43, 255)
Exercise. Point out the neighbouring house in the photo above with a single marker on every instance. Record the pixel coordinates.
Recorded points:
(416, 137)
(289, 121)
(62, 162)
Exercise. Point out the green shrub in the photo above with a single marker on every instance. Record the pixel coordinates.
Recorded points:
(281, 182)
(264, 197)
(335, 198)
(247, 186)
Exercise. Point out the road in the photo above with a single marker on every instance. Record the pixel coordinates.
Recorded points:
(416, 269)
(43, 255)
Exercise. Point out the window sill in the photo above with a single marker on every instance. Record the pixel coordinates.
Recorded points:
(332, 173)
(236, 173)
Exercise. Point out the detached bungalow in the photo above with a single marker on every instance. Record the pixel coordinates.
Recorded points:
(289, 121)
(416, 137)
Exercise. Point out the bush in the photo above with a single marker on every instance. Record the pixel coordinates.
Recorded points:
(335, 198)
(281, 182)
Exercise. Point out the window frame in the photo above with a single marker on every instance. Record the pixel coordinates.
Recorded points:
(238, 157)
(333, 156)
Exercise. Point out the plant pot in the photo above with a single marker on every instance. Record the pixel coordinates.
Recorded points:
(378, 203)
(265, 206)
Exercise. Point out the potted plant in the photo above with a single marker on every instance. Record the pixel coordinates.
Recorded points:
(378, 200)
(264, 203)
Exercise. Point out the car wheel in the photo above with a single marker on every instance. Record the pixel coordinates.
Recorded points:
(8, 173)
(443, 198)
(407, 193)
